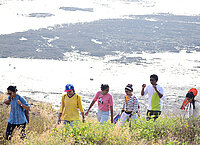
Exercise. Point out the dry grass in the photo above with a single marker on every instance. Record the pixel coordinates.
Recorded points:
(42, 119)
(43, 129)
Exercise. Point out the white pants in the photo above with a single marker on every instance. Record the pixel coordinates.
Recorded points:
(124, 117)
(102, 116)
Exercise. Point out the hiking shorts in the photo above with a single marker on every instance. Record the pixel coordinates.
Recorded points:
(71, 123)
(153, 114)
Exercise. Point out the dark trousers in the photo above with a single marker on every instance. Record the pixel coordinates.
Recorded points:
(11, 127)
(153, 114)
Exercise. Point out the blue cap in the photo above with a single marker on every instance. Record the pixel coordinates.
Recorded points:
(69, 87)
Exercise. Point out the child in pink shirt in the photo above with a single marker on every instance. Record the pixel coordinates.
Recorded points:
(105, 104)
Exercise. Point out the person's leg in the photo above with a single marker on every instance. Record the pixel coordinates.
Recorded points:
(134, 116)
(123, 119)
(23, 133)
(153, 114)
(71, 123)
(156, 114)
(9, 130)
(65, 122)
(149, 114)
(99, 115)
(104, 116)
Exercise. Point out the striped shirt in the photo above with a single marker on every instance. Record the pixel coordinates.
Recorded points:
(131, 105)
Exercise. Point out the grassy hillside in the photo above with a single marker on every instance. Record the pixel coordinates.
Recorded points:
(43, 129)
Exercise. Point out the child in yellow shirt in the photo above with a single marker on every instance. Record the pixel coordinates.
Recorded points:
(70, 104)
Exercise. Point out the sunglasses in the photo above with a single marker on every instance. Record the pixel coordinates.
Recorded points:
(107, 90)
(152, 80)
(9, 93)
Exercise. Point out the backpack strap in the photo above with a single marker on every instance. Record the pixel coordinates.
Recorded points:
(20, 100)
(77, 100)
(65, 95)
(21, 106)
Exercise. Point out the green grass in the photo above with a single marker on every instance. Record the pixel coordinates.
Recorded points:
(43, 129)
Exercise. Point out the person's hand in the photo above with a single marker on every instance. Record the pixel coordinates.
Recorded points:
(7, 102)
(83, 117)
(143, 86)
(19, 102)
(154, 86)
(128, 119)
(59, 120)
(86, 113)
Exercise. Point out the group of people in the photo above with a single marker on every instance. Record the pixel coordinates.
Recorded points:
(71, 104)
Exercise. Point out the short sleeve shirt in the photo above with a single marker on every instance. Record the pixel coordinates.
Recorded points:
(104, 101)
(154, 101)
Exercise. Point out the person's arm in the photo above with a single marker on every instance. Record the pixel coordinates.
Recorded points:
(159, 94)
(83, 116)
(138, 110)
(135, 105)
(59, 118)
(61, 109)
(111, 107)
(121, 112)
(111, 112)
(91, 104)
(7, 102)
(123, 107)
(81, 108)
(26, 107)
(190, 112)
(142, 91)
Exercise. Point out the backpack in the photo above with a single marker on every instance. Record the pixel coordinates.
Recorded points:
(27, 114)
(186, 102)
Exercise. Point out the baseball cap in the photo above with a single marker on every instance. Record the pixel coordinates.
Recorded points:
(69, 87)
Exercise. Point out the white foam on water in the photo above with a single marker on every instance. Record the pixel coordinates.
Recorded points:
(45, 80)
(23, 39)
(96, 41)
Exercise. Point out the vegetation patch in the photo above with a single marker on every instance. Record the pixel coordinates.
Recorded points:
(43, 129)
